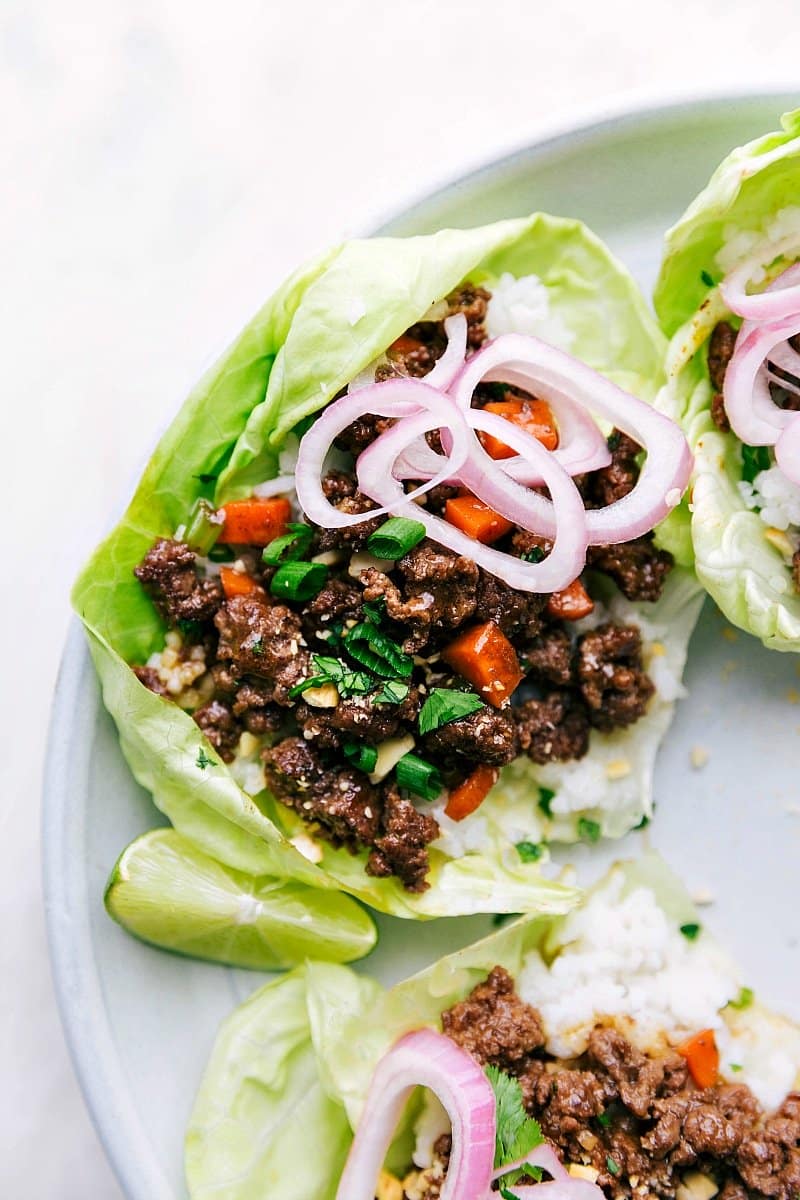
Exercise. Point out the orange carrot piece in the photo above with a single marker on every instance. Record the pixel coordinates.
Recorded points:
(236, 583)
(702, 1058)
(255, 522)
(484, 656)
(570, 604)
(403, 346)
(534, 416)
(465, 798)
(476, 519)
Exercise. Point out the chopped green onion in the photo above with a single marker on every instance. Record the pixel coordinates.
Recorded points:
(613, 1166)
(392, 692)
(590, 830)
(530, 851)
(298, 580)
(331, 670)
(546, 798)
(534, 555)
(373, 649)
(755, 459)
(446, 704)
(604, 1119)
(374, 610)
(744, 1000)
(290, 547)
(691, 930)
(735, 1067)
(203, 528)
(395, 537)
(363, 757)
(645, 821)
(707, 278)
(418, 776)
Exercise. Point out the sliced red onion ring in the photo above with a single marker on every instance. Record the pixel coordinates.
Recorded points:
(428, 1059)
(754, 416)
(483, 476)
(396, 398)
(451, 362)
(781, 299)
(787, 449)
(562, 1186)
(666, 469)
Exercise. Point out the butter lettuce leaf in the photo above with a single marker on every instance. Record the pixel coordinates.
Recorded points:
(750, 202)
(324, 325)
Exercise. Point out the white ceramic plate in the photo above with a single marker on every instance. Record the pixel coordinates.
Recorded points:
(140, 1022)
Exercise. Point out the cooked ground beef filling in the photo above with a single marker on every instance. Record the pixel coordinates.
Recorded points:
(259, 650)
(637, 1119)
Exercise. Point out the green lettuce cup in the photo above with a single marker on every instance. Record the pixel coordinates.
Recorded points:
(239, 430)
(742, 524)
(634, 959)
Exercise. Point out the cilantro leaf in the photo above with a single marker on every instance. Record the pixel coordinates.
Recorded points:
(394, 691)
(446, 704)
(707, 278)
(202, 761)
(374, 650)
(516, 1132)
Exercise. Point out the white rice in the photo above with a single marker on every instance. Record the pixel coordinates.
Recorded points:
(776, 496)
(738, 244)
(623, 960)
(522, 305)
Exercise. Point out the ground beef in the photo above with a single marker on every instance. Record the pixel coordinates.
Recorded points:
(150, 678)
(612, 681)
(437, 592)
(473, 302)
(361, 433)
(719, 414)
(721, 345)
(636, 1076)
(553, 729)
(253, 706)
(768, 1159)
(356, 719)
(549, 657)
(401, 847)
(638, 568)
(264, 640)
(342, 492)
(339, 601)
(343, 801)
(167, 573)
(518, 614)
(493, 1024)
(619, 478)
(486, 736)
(220, 727)
(796, 570)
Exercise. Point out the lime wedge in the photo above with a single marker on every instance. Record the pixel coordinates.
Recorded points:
(167, 892)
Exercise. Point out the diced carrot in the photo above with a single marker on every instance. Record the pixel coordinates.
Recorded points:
(484, 656)
(534, 416)
(702, 1058)
(255, 522)
(570, 604)
(236, 583)
(465, 798)
(476, 519)
(404, 345)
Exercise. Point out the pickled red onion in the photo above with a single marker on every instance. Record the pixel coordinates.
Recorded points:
(778, 301)
(428, 1059)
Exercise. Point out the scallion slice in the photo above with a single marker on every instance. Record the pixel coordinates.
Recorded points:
(375, 650)
(203, 527)
(418, 776)
(395, 537)
(363, 757)
(290, 547)
(298, 580)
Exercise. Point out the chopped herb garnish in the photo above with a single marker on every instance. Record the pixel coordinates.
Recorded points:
(613, 1166)
(256, 646)
(508, 1195)
(604, 1119)
(298, 580)
(755, 459)
(392, 692)
(645, 821)
(446, 704)
(691, 930)
(516, 1133)
(534, 555)
(530, 851)
(374, 610)
(744, 1000)
(418, 776)
(363, 757)
(375, 650)
(290, 547)
(546, 798)
(203, 761)
(612, 441)
(736, 1067)
(395, 537)
(707, 278)
(589, 830)
(331, 670)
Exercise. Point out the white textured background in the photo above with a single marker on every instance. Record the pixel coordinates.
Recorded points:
(163, 165)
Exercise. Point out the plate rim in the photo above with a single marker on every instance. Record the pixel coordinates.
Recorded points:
(76, 981)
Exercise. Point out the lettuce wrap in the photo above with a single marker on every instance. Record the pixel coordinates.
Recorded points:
(634, 958)
(742, 529)
(238, 428)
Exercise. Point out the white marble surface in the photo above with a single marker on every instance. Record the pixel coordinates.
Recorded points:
(164, 164)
